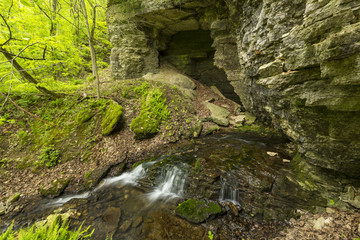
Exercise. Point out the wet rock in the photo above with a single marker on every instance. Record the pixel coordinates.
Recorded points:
(218, 114)
(56, 188)
(209, 129)
(233, 209)
(197, 211)
(96, 176)
(125, 226)
(112, 217)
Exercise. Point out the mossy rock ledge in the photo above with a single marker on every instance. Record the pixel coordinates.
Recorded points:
(111, 119)
(198, 211)
(83, 116)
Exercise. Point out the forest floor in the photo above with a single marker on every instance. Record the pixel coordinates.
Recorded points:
(23, 181)
(87, 156)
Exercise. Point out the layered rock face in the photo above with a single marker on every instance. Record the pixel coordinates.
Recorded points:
(294, 63)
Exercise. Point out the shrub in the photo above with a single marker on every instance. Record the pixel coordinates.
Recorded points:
(49, 156)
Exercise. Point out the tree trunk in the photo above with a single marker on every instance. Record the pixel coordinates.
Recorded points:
(27, 76)
(53, 5)
(90, 35)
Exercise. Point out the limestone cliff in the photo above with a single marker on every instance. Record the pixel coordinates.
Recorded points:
(293, 63)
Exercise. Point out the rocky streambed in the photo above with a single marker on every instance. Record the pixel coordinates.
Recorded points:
(224, 186)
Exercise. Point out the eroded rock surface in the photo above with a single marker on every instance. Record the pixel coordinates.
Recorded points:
(294, 64)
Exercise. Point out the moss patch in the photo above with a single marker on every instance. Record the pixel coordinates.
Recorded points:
(111, 119)
(57, 187)
(83, 116)
(197, 211)
(153, 111)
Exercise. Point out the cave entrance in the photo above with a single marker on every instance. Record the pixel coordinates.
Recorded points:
(192, 53)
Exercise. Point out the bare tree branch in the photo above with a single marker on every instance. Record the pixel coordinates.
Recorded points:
(28, 58)
(29, 113)
(10, 33)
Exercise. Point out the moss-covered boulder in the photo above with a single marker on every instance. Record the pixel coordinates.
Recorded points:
(56, 188)
(144, 126)
(153, 111)
(197, 211)
(83, 116)
(111, 119)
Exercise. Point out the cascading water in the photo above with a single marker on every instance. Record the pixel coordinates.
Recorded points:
(62, 200)
(171, 184)
(127, 177)
(229, 193)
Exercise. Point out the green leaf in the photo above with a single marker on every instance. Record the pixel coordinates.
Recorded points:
(25, 2)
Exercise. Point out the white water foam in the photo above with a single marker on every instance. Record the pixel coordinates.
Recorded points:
(172, 182)
(62, 200)
(229, 194)
(125, 178)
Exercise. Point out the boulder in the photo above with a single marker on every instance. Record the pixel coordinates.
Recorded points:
(218, 114)
(111, 119)
(198, 211)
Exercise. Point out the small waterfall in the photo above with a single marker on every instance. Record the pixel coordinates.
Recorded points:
(171, 184)
(62, 200)
(127, 177)
(229, 194)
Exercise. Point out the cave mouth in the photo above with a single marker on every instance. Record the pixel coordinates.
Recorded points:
(192, 53)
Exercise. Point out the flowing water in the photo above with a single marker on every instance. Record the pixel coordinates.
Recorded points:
(139, 204)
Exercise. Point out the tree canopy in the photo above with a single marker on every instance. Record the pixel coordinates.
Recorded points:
(48, 39)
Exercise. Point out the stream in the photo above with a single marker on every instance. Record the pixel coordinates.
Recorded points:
(233, 170)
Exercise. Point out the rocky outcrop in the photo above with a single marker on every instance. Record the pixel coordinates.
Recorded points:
(294, 63)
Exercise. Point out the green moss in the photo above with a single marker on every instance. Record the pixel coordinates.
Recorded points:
(197, 211)
(14, 198)
(111, 119)
(57, 187)
(144, 126)
(83, 116)
(303, 173)
(153, 111)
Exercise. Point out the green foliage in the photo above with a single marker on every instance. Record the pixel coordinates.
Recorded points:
(197, 166)
(60, 43)
(49, 156)
(83, 116)
(153, 111)
(111, 119)
(56, 231)
(22, 136)
(210, 235)
(88, 174)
